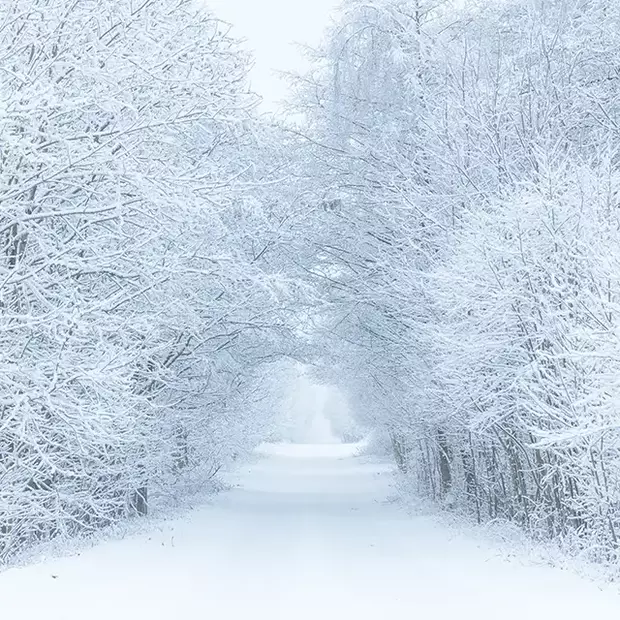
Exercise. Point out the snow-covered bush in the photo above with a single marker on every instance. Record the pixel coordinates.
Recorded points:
(468, 249)
(135, 312)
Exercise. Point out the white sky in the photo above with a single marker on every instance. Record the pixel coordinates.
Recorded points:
(271, 27)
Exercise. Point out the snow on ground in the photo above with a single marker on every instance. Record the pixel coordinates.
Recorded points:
(306, 532)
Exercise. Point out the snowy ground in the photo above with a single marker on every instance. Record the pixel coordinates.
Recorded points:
(307, 532)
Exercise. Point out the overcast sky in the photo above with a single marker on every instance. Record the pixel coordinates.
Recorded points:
(271, 27)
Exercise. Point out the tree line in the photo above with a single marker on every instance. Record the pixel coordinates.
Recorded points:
(469, 249)
(139, 296)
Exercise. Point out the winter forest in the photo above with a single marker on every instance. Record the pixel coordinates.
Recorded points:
(433, 227)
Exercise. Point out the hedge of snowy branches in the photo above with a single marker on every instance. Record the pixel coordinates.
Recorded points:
(469, 247)
(136, 304)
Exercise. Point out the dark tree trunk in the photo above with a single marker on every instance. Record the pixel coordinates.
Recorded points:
(445, 473)
(139, 501)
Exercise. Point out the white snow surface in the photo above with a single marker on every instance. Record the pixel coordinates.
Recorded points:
(307, 531)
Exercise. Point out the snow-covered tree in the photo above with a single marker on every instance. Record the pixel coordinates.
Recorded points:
(137, 304)
(466, 160)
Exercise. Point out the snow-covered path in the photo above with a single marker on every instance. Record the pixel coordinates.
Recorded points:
(307, 532)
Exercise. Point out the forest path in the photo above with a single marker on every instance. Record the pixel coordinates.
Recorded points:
(306, 532)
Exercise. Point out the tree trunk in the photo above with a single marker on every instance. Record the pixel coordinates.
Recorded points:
(445, 474)
(139, 501)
